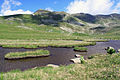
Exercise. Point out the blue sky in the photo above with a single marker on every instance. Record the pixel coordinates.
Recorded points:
(9, 7)
(33, 5)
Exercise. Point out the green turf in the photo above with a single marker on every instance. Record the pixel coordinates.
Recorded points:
(15, 55)
(81, 49)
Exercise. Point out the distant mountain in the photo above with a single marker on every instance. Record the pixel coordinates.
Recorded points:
(80, 22)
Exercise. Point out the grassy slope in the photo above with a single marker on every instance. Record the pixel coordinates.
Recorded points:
(26, 27)
(113, 33)
(102, 67)
(31, 31)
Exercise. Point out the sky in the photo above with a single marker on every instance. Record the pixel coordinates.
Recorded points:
(10, 7)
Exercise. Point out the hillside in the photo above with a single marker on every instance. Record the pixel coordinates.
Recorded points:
(58, 25)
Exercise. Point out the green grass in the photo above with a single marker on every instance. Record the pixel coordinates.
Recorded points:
(81, 49)
(42, 43)
(17, 55)
(90, 57)
(96, 40)
(17, 30)
(20, 46)
(30, 31)
(101, 67)
(1, 76)
(112, 33)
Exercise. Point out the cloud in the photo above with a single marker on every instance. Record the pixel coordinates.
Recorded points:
(49, 9)
(93, 7)
(17, 3)
(7, 5)
(20, 11)
(6, 8)
(55, 2)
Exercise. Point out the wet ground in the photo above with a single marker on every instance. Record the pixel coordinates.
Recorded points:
(59, 56)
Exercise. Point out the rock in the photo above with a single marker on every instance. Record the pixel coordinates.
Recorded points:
(76, 60)
(77, 55)
(109, 48)
(119, 50)
(52, 65)
(35, 68)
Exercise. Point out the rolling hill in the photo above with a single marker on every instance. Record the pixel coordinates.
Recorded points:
(45, 24)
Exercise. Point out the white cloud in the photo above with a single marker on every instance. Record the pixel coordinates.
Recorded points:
(49, 9)
(6, 8)
(93, 7)
(17, 3)
(20, 11)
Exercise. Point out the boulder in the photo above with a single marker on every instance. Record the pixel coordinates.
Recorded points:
(76, 60)
(52, 65)
(119, 50)
(34, 68)
(109, 48)
(77, 55)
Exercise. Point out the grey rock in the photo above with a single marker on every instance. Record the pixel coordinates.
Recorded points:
(53, 65)
(109, 48)
(76, 60)
(77, 55)
(119, 50)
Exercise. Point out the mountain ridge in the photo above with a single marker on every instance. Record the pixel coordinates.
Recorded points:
(79, 22)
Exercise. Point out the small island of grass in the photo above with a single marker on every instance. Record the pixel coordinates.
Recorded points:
(80, 49)
(27, 54)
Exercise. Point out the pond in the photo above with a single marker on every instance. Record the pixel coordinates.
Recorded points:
(59, 56)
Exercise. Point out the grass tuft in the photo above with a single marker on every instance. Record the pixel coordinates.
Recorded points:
(80, 49)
